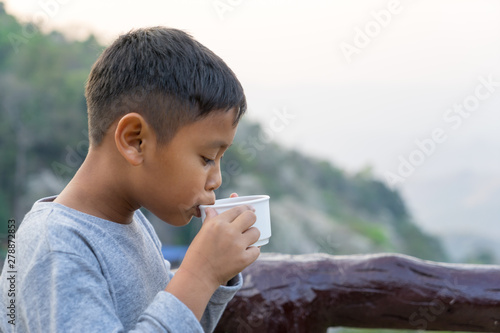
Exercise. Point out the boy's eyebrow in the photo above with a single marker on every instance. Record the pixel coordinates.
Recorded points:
(219, 144)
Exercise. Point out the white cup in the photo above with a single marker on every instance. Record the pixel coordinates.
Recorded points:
(261, 205)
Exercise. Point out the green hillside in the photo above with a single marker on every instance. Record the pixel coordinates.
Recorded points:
(316, 207)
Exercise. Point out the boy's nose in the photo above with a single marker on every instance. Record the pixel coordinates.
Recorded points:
(214, 180)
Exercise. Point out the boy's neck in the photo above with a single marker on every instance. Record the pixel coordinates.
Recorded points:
(95, 190)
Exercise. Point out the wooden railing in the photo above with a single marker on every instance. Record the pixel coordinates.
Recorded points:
(309, 293)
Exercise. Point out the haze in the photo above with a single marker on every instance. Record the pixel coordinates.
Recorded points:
(368, 83)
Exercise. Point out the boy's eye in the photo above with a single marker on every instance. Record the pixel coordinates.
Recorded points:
(208, 160)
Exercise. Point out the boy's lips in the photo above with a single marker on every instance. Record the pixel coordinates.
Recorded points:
(198, 209)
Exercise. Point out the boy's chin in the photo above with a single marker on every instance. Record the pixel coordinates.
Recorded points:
(179, 220)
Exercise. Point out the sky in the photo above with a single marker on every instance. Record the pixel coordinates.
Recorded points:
(408, 88)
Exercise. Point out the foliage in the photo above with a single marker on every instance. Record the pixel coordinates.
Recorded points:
(42, 107)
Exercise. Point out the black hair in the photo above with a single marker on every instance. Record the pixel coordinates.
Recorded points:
(164, 75)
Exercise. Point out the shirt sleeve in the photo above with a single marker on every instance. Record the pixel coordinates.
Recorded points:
(64, 292)
(218, 302)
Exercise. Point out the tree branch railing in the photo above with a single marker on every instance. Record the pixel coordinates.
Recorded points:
(310, 293)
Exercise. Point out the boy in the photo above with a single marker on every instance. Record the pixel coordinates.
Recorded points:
(162, 111)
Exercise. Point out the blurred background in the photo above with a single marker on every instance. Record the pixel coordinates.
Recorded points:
(373, 125)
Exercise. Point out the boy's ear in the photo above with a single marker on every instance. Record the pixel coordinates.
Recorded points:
(132, 133)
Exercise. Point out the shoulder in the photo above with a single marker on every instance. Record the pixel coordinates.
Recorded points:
(50, 232)
(50, 227)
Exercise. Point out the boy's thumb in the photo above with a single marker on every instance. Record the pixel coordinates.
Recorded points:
(210, 212)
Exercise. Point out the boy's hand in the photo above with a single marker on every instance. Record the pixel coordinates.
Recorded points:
(222, 247)
(220, 250)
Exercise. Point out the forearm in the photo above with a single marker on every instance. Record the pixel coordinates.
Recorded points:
(191, 289)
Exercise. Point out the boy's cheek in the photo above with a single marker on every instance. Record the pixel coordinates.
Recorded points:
(180, 216)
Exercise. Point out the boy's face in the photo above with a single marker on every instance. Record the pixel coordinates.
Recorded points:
(183, 174)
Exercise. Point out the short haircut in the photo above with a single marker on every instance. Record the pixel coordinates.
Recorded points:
(164, 75)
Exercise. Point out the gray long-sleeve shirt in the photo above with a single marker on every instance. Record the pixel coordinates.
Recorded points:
(79, 273)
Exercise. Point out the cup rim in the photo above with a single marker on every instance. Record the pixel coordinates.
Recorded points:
(230, 202)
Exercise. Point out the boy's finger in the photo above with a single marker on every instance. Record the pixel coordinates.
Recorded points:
(245, 220)
(251, 236)
(231, 214)
(252, 253)
(233, 195)
(210, 212)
